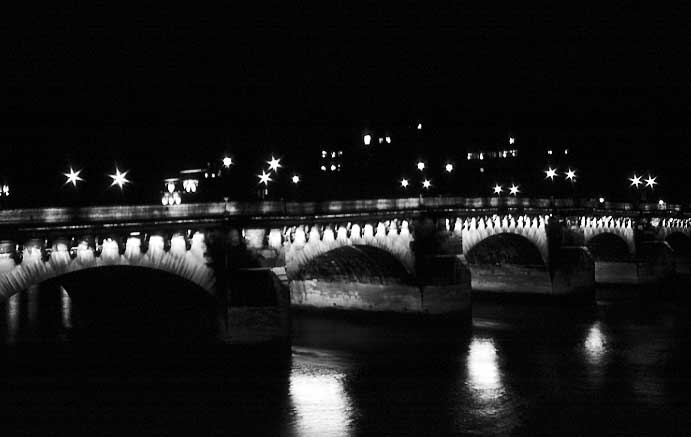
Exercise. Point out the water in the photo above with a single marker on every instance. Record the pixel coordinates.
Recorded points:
(617, 368)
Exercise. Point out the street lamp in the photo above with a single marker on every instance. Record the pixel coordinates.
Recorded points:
(497, 189)
(295, 179)
(119, 178)
(426, 184)
(551, 173)
(514, 190)
(227, 161)
(448, 167)
(404, 183)
(420, 165)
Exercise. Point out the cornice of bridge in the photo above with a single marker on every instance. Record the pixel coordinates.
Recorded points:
(279, 212)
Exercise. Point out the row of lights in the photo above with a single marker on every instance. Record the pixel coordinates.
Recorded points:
(118, 177)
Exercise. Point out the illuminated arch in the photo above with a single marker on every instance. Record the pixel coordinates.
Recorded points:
(476, 230)
(188, 264)
(301, 246)
(592, 227)
(505, 248)
(356, 263)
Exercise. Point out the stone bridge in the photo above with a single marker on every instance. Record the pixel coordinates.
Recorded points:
(409, 255)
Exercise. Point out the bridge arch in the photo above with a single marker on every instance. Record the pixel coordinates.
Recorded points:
(680, 243)
(355, 263)
(476, 230)
(505, 248)
(608, 246)
(36, 264)
(302, 246)
(593, 227)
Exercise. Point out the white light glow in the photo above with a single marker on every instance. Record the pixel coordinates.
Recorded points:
(635, 181)
(274, 164)
(497, 189)
(419, 126)
(601, 200)
(650, 182)
(420, 165)
(388, 140)
(512, 140)
(227, 161)
(367, 139)
(571, 175)
(448, 168)
(119, 178)
(551, 173)
(514, 190)
(404, 183)
(295, 179)
(72, 177)
(426, 183)
(264, 178)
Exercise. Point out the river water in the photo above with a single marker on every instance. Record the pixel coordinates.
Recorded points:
(619, 367)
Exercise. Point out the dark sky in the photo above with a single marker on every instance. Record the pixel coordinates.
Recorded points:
(133, 84)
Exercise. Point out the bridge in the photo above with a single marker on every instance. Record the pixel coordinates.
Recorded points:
(418, 255)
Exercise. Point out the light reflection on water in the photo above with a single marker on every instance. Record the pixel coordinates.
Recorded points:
(483, 369)
(595, 344)
(320, 402)
(517, 371)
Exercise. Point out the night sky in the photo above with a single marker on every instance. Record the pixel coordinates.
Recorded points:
(161, 90)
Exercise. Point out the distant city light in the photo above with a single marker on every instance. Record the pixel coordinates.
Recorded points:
(635, 181)
(227, 161)
(264, 178)
(449, 168)
(420, 165)
(367, 139)
(404, 183)
(497, 189)
(274, 164)
(295, 179)
(426, 183)
(512, 140)
(601, 200)
(323, 168)
(551, 173)
(571, 175)
(661, 202)
(119, 179)
(514, 190)
(333, 167)
(419, 126)
(72, 177)
(650, 182)
(566, 151)
(549, 152)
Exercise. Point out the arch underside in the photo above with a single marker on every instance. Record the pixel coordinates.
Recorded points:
(397, 247)
(607, 246)
(680, 243)
(505, 248)
(356, 263)
(15, 278)
(533, 232)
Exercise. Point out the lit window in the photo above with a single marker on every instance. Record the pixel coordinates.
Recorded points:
(388, 140)
(549, 152)
(367, 139)
(381, 140)
(333, 154)
(323, 153)
(512, 140)
(323, 168)
(333, 167)
(419, 126)
(566, 151)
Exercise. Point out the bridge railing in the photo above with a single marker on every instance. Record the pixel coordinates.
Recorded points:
(220, 210)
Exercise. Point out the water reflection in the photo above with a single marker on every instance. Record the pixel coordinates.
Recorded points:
(321, 405)
(66, 308)
(13, 318)
(595, 344)
(483, 369)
